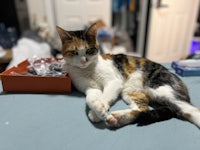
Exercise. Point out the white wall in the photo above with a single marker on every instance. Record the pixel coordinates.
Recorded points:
(58, 12)
(36, 11)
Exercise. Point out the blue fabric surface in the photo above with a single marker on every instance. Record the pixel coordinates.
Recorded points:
(59, 122)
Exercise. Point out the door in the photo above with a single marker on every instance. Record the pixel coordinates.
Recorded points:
(75, 14)
(172, 25)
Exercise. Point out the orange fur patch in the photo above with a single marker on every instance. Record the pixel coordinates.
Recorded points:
(187, 116)
(143, 61)
(130, 68)
(141, 99)
(106, 56)
(134, 114)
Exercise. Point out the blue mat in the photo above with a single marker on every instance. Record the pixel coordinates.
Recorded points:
(59, 122)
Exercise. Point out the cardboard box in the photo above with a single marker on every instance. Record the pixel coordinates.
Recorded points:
(33, 84)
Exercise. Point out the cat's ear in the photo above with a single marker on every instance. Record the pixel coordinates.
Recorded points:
(64, 35)
(91, 32)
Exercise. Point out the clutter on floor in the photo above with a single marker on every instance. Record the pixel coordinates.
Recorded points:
(5, 58)
(113, 40)
(8, 36)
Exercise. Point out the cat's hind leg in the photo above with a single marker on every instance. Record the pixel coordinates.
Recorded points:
(137, 101)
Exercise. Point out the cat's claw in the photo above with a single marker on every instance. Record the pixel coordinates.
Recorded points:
(93, 117)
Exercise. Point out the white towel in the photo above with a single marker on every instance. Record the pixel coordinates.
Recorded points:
(189, 63)
(28, 48)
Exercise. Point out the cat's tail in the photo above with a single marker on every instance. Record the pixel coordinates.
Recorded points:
(177, 109)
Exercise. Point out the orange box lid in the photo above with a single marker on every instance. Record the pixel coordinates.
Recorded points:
(33, 84)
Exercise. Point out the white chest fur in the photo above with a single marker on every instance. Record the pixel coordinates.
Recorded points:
(95, 76)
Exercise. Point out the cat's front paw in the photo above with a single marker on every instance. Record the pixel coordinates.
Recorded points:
(93, 117)
(101, 109)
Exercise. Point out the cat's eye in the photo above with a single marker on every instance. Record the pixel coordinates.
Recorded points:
(91, 51)
(73, 52)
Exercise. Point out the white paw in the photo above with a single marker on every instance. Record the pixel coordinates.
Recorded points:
(93, 117)
(115, 119)
(101, 109)
(120, 118)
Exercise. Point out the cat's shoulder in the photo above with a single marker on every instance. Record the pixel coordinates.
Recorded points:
(107, 56)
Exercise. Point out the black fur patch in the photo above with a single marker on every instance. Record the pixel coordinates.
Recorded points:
(155, 115)
(137, 62)
(79, 34)
(119, 60)
(157, 75)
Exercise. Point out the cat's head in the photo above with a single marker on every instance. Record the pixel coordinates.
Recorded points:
(79, 48)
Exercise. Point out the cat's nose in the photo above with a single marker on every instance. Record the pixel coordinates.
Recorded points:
(83, 60)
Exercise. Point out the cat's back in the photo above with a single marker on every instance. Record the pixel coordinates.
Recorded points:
(129, 66)
(126, 64)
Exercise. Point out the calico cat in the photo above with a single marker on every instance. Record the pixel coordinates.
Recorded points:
(140, 82)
